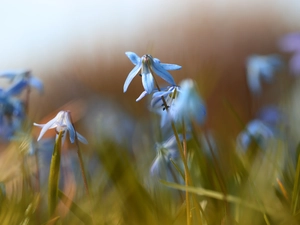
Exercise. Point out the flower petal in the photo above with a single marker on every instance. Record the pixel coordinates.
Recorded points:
(11, 74)
(290, 42)
(134, 58)
(36, 83)
(17, 88)
(160, 71)
(131, 75)
(253, 79)
(81, 138)
(144, 93)
(148, 82)
(46, 127)
(70, 127)
(295, 64)
(167, 66)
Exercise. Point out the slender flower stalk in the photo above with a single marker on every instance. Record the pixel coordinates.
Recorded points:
(63, 124)
(187, 176)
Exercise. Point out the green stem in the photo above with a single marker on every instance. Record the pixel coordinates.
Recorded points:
(81, 164)
(187, 197)
(184, 160)
(54, 174)
(295, 193)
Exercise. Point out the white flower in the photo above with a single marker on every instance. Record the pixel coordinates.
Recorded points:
(62, 122)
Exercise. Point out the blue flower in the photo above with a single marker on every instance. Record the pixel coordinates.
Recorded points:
(157, 104)
(21, 79)
(272, 116)
(62, 122)
(12, 115)
(291, 43)
(261, 67)
(256, 131)
(166, 151)
(147, 64)
(189, 105)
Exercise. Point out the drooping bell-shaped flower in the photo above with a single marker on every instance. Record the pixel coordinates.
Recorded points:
(147, 64)
(261, 68)
(61, 122)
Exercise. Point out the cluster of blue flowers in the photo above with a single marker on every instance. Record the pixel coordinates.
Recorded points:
(12, 103)
(263, 67)
(179, 104)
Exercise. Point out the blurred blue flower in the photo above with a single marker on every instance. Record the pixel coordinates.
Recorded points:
(62, 122)
(291, 43)
(147, 64)
(256, 132)
(261, 67)
(157, 105)
(21, 79)
(272, 116)
(12, 115)
(161, 166)
(189, 105)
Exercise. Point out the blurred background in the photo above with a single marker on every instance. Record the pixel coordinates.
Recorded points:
(77, 50)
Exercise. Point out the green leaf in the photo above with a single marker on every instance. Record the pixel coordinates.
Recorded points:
(215, 195)
(74, 208)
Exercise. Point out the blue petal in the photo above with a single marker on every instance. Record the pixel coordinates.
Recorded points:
(171, 142)
(17, 87)
(253, 79)
(148, 82)
(294, 64)
(36, 83)
(81, 138)
(267, 73)
(70, 127)
(160, 71)
(156, 102)
(134, 58)
(167, 66)
(131, 75)
(11, 74)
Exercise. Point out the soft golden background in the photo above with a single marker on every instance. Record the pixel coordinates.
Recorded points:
(77, 48)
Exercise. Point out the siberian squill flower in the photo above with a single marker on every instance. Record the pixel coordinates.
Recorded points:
(162, 166)
(169, 95)
(21, 79)
(291, 43)
(255, 132)
(189, 105)
(62, 122)
(147, 64)
(12, 115)
(261, 67)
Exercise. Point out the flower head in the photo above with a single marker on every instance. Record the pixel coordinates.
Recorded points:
(147, 64)
(62, 122)
(256, 131)
(261, 67)
(157, 104)
(12, 115)
(189, 105)
(291, 43)
(165, 152)
(21, 79)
